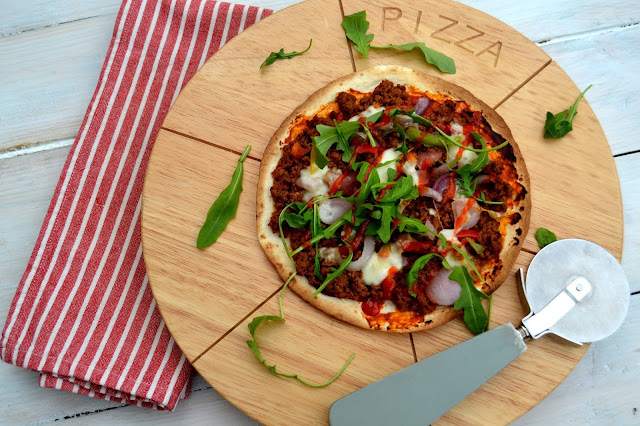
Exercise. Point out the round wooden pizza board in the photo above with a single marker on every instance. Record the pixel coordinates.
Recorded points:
(207, 297)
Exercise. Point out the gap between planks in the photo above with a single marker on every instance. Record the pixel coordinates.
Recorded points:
(43, 27)
(585, 34)
(226, 333)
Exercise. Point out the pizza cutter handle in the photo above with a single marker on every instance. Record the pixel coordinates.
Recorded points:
(538, 324)
(424, 391)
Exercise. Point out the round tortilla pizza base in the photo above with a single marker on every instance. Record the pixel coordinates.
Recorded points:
(349, 310)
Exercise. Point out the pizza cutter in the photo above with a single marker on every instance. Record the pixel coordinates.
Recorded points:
(575, 289)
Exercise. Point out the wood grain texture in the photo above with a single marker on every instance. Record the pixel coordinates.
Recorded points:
(600, 390)
(309, 343)
(176, 199)
(201, 293)
(29, 15)
(609, 62)
(492, 59)
(544, 20)
(45, 94)
(567, 174)
(26, 185)
(628, 167)
(213, 108)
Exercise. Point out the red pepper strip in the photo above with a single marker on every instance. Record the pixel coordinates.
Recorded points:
(365, 149)
(383, 192)
(450, 192)
(298, 151)
(347, 230)
(467, 233)
(384, 120)
(310, 202)
(463, 215)
(336, 184)
(344, 251)
(395, 222)
(417, 246)
(389, 283)
(359, 237)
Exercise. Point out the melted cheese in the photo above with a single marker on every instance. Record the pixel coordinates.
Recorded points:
(367, 113)
(387, 156)
(468, 157)
(456, 128)
(448, 234)
(316, 176)
(377, 268)
(388, 307)
(409, 169)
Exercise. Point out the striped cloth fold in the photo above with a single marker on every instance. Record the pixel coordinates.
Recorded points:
(83, 314)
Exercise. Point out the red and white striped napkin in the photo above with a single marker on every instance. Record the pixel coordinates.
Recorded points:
(84, 315)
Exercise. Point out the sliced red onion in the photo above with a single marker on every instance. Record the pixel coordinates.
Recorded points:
(333, 209)
(442, 290)
(422, 105)
(430, 192)
(430, 226)
(331, 176)
(367, 251)
(440, 170)
(442, 183)
(473, 215)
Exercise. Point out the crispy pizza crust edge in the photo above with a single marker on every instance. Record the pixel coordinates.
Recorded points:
(366, 81)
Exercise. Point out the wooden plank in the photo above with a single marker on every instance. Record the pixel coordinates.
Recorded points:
(196, 296)
(29, 15)
(27, 183)
(492, 59)
(309, 343)
(547, 19)
(609, 62)
(212, 108)
(49, 77)
(568, 174)
(627, 166)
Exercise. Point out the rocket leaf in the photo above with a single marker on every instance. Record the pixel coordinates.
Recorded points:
(558, 125)
(474, 314)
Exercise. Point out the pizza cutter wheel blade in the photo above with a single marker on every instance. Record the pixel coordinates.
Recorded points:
(574, 288)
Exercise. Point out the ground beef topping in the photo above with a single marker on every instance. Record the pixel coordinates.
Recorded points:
(420, 206)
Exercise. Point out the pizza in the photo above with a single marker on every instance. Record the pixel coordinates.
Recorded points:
(373, 190)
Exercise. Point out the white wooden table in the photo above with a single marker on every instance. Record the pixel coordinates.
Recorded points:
(51, 53)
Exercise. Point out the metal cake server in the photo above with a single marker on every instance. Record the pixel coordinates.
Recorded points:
(575, 289)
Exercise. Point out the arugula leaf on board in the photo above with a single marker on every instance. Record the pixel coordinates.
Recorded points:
(420, 263)
(329, 135)
(474, 314)
(433, 57)
(273, 56)
(544, 237)
(224, 208)
(253, 345)
(356, 27)
(558, 125)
